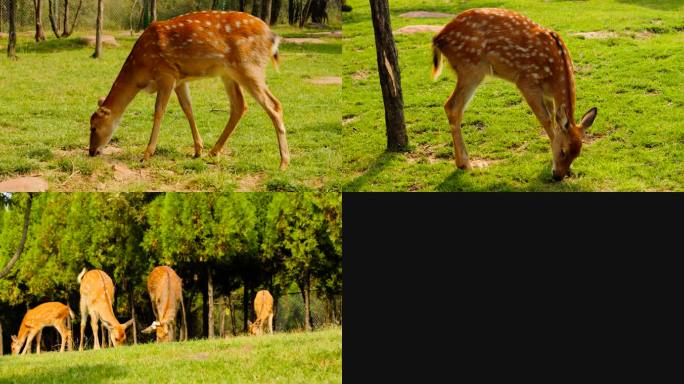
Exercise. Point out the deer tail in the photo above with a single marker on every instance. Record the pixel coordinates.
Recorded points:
(275, 55)
(436, 61)
(80, 275)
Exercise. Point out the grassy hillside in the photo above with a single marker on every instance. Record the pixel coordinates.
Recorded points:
(632, 70)
(282, 358)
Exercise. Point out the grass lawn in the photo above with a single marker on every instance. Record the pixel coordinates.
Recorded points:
(47, 98)
(635, 76)
(282, 358)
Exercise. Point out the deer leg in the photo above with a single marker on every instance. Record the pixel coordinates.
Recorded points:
(84, 315)
(238, 108)
(455, 106)
(534, 96)
(104, 339)
(63, 332)
(274, 109)
(270, 323)
(165, 87)
(38, 336)
(29, 340)
(183, 93)
(93, 325)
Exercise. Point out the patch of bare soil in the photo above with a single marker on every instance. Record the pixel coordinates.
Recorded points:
(247, 348)
(303, 40)
(482, 163)
(106, 40)
(361, 75)
(24, 184)
(643, 35)
(328, 80)
(422, 151)
(410, 29)
(199, 356)
(426, 15)
(250, 183)
(124, 174)
(597, 35)
(333, 34)
(346, 120)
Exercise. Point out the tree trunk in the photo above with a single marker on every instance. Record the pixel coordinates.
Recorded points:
(275, 311)
(319, 11)
(275, 11)
(68, 33)
(65, 29)
(54, 23)
(245, 306)
(153, 10)
(242, 5)
(390, 79)
(98, 32)
(266, 11)
(304, 286)
(1, 350)
(210, 298)
(232, 316)
(305, 13)
(130, 299)
(222, 317)
(40, 33)
(29, 202)
(256, 9)
(12, 54)
(205, 309)
(214, 4)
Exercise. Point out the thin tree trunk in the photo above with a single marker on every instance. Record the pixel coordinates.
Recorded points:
(135, 333)
(256, 9)
(390, 79)
(65, 29)
(205, 309)
(305, 13)
(222, 317)
(266, 11)
(232, 316)
(210, 298)
(245, 306)
(214, 4)
(153, 10)
(40, 33)
(52, 9)
(306, 293)
(242, 5)
(98, 26)
(29, 202)
(275, 11)
(73, 23)
(1, 350)
(12, 54)
(275, 311)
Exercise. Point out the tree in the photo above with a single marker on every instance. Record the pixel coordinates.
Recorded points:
(390, 79)
(275, 11)
(266, 7)
(20, 248)
(153, 10)
(40, 33)
(98, 29)
(12, 44)
(53, 13)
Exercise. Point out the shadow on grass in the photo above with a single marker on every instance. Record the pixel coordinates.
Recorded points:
(663, 5)
(335, 49)
(86, 373)
(447, 8)
(374, 170)
(457, 182)
(53, 45)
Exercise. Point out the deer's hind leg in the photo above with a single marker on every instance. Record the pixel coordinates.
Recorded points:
(183, 93)
(469, 78)
(238, 108)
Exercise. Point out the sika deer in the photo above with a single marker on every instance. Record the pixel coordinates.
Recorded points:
(498, 42)
(263, 308)
(165, 288)
(97, 295)
(51, 314)
(235, 46)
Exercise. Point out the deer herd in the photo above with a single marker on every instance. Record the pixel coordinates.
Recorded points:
(97, 294)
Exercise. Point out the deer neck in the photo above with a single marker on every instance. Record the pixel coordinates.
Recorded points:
(123, 91)
(23, 333)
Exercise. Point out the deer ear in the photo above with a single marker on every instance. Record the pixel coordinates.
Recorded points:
(128, 323)
(100, 101)
(14, 338)
(588, 118)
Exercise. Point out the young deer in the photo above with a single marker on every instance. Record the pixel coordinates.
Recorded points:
(50, 314)
(166, 291)
(235, 46)
(263, 308)
(508, 45)
(97, 294)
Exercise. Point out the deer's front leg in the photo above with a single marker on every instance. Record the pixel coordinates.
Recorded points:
(165, 87)
(183, 93)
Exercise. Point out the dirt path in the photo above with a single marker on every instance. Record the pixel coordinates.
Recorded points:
(303, 40)
(426, 15)
(24, 184)
(410, 29)
(328, 80)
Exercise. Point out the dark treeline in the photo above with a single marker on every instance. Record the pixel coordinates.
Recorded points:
(217, 243)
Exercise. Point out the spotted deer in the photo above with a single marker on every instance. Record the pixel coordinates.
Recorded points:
(166, 291)
(263, 308)
(97, 296)
(234, 46)
(502, 43)
(50, 314)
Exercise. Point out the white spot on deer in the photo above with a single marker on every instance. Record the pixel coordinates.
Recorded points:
(237, 24)
(228, 28)
(188, 41)
(208, 23)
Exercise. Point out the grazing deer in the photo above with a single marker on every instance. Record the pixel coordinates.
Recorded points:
(263, 307)
(505, 44)
(235, 46)
(166, 291)
(51, 314)
(97, 294)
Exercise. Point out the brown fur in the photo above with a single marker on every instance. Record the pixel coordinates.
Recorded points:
(50, 314)
(235, 46)
(166, 292)
(498, 42)
(263, 308)
(97, 296)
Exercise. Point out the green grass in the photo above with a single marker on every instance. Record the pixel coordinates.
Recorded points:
(636, 80)
(49, 94)
(281, 358)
